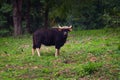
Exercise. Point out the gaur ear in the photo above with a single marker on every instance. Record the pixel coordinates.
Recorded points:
(70, 29)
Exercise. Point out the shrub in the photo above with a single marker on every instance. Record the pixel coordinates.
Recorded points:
(86, 69)
(118, 47)
(4, 32)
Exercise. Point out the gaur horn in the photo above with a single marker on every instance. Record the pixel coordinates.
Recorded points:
(59, 26)
(65, 27)
(70, 26)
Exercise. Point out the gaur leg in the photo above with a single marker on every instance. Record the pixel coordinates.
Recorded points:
(38, 51)
(33, 51)
(57, 50)
(37, 48)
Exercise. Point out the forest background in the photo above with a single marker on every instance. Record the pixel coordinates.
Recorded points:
(25, 16)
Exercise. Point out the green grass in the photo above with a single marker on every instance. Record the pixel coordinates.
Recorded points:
(87, 54)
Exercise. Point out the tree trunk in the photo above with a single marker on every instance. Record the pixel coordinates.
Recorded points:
(17, 6)
(27, 16)
(46, 16)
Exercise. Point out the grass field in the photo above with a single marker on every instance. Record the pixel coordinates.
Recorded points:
(87, 55)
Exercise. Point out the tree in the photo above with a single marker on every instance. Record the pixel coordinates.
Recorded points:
(47, 4)
(46, 14)
(17, 7)
(60, 11)
(27, 15)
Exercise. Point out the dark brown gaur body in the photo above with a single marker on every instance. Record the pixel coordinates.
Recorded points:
(50, 37)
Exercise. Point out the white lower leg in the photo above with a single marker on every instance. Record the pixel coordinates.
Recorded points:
(57, 52)
(38, 51)
(33, 51)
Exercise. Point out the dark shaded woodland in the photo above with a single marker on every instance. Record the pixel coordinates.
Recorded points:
(25, 16)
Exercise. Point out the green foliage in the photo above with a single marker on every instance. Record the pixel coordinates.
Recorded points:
(4, 32)
(82, 14)
(3, 21)
(61, 10)
(118, 47)
(87, 68)
(6, 8)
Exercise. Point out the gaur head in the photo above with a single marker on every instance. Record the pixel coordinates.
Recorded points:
(65, 29)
